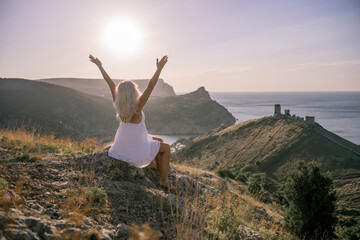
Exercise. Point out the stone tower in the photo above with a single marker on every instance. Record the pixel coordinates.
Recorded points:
(310, 119)
(277, 110)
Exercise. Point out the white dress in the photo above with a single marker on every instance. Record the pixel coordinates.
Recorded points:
(133, 144)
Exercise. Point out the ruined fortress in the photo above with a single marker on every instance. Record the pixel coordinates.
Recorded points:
(277, 112)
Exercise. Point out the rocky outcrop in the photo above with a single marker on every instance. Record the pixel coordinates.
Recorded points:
(43, 208)
(192, 113)
(198, 94)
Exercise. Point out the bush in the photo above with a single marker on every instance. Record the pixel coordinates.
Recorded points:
(241, 177)
(225, 173)
(3, 183)
(96, 194)
(311, 202)
(22, 157)
(348, 229)
(247, 168)
(258, 181)
(226, 222)
(262, 179)
(254, 187)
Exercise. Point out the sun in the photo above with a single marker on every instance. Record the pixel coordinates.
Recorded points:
(122, 36)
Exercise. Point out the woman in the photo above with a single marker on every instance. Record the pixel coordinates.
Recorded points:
(132, 143)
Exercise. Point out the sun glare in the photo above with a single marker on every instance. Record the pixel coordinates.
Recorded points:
(122, 36)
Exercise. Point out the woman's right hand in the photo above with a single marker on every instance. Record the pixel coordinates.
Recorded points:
(95, 60)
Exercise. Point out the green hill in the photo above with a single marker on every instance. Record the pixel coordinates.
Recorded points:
(55, 109)
(272, 145)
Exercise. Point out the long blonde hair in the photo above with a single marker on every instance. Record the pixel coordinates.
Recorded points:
(126, 101)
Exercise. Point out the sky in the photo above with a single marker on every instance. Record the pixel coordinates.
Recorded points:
(242, 45)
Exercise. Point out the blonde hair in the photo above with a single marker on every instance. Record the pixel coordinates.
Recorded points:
(126, 101)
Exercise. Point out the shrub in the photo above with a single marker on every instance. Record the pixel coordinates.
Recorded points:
(262, 180)
(22, 157)
(247, 168)
(241, 177)
(254, 187)
(348, 229)
(225, 173)
(3, 183)
(311, 202)
(96, 194)
(227, 222)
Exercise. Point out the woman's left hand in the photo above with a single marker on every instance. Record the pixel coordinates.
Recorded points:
(162, 62)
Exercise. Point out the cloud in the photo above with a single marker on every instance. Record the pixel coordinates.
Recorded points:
(302, 66)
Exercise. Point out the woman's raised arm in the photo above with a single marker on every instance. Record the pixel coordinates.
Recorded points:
(105, 76)
(146, 94)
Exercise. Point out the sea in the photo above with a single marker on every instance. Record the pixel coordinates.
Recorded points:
(338, 112)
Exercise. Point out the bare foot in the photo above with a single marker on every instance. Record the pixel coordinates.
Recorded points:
(167, 185)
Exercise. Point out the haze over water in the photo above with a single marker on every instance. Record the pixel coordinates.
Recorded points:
(338, 112)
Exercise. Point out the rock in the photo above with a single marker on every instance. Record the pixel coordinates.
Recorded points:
(22, 233)
(122, 231)
(4, 140)
(260, 213)
(53, 213)
(106, 234)
(247, 233)
(37, 207)
(31, 222)
(206, 175)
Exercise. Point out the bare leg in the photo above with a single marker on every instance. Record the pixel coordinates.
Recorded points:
(164, 166)
(158, 157)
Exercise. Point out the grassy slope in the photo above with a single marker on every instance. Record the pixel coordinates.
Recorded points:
(59, 110)
(274, 145)
(132, 195)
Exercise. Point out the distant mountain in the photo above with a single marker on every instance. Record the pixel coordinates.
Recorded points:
(191, 113)
(99, 87)
(69, 113)
(55, 109)
(273, 145)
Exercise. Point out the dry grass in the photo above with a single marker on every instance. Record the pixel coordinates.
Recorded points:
(35, 143)
(195, 215)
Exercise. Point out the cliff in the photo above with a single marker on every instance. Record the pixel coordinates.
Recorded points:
(272, 146)
(191, 113)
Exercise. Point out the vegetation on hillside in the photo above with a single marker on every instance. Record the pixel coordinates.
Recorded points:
(59, 111)
(74, 186)
(311, 201)
(65, 113)
(186, 115)
(271, 146)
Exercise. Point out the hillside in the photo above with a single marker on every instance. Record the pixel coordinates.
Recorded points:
(272, 145)
(92, 196)
(191, 113)
(69, 113)
(55, 109)
(98, 87)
